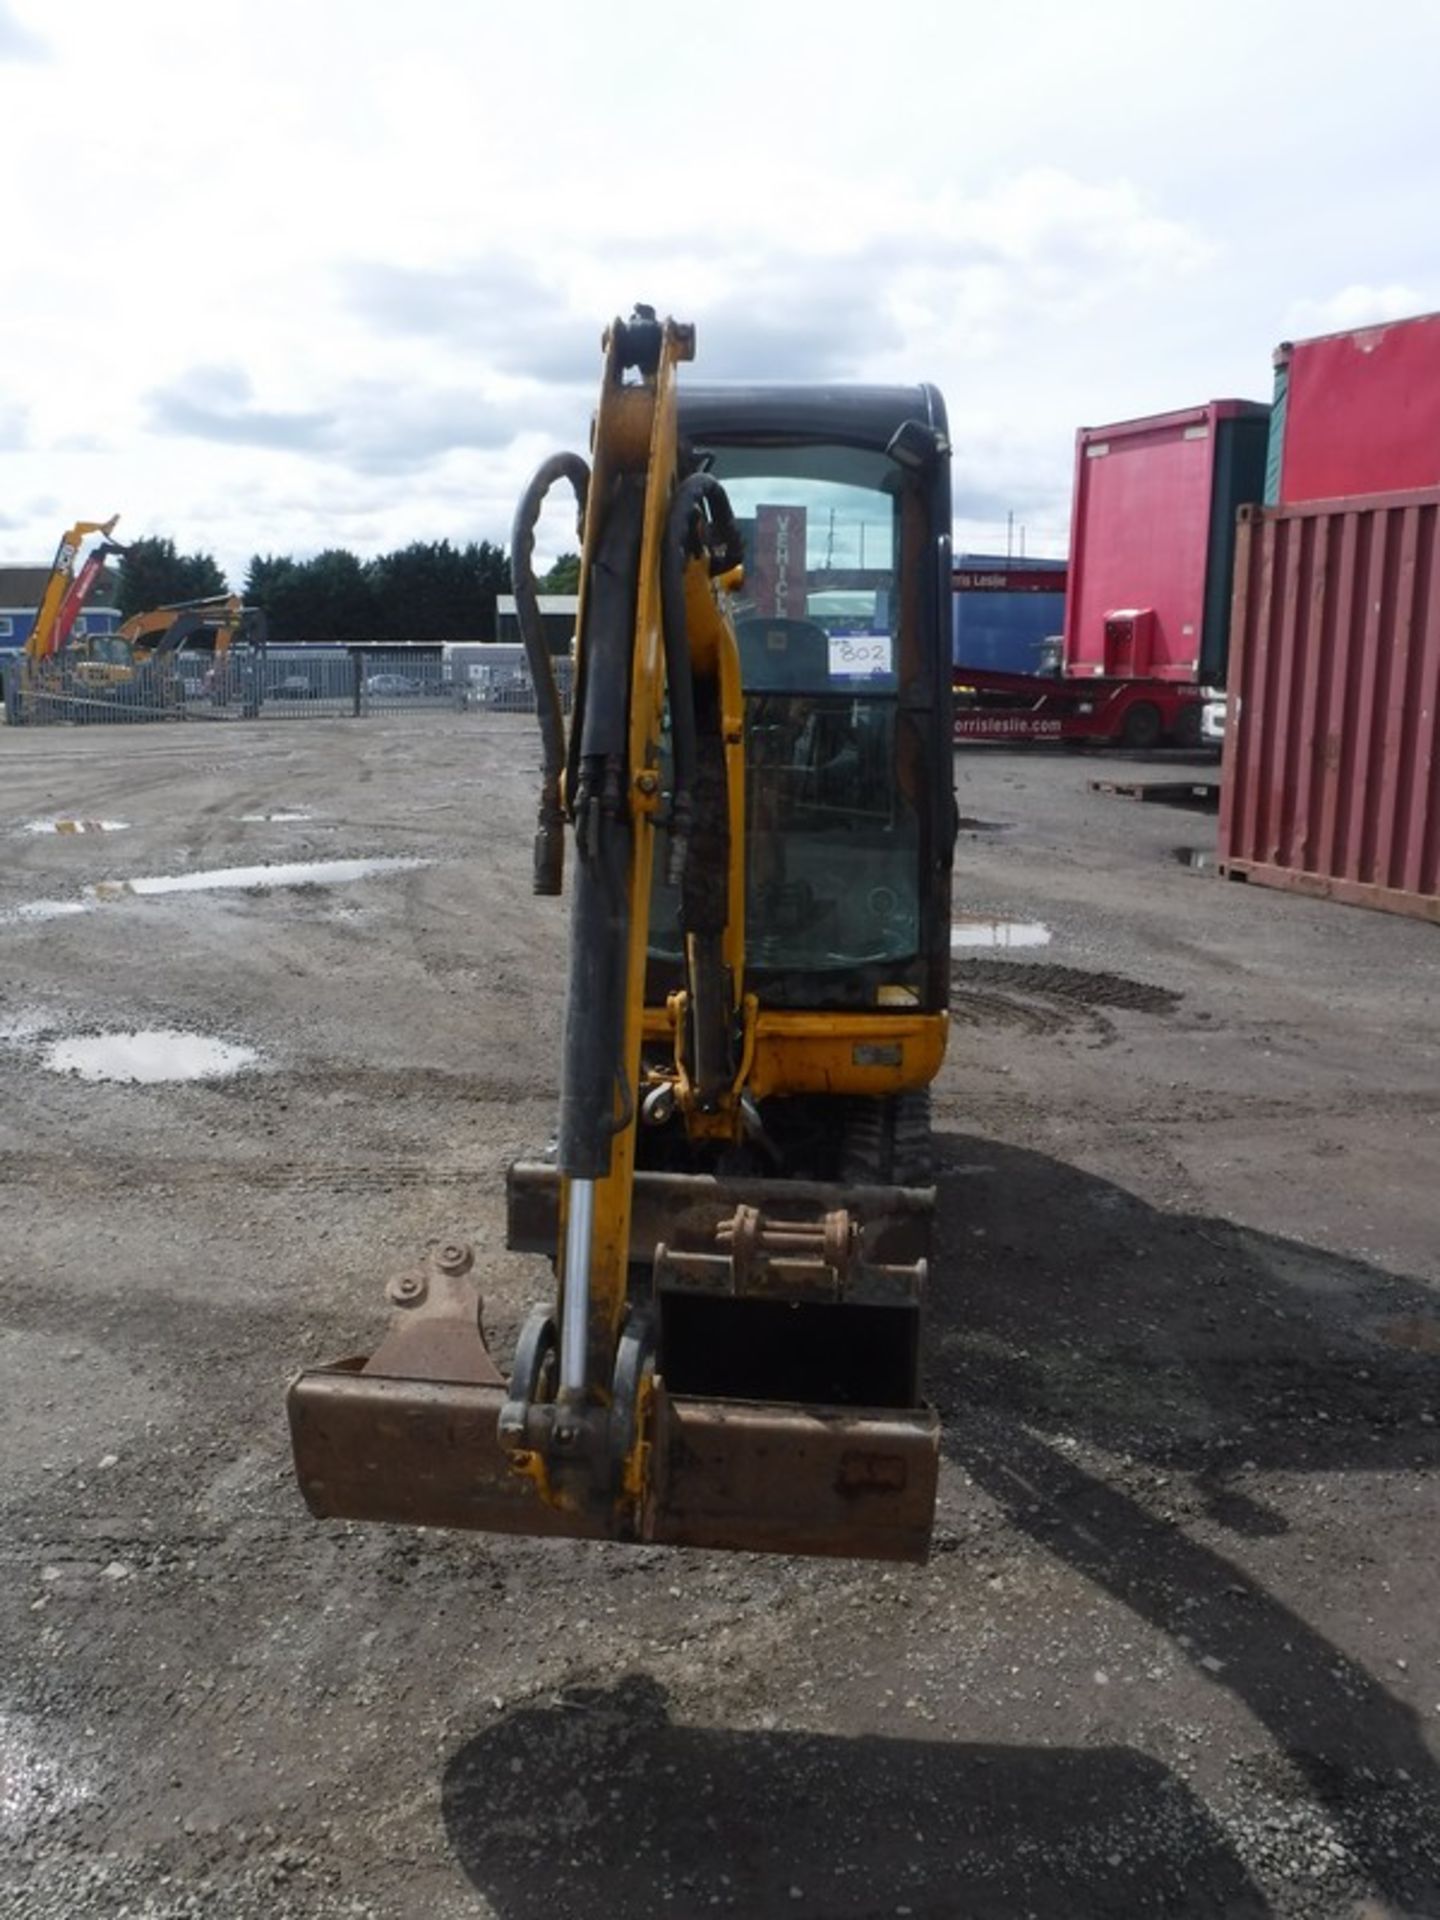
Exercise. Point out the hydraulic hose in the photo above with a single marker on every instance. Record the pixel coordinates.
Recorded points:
(723, 552)
(549, 833)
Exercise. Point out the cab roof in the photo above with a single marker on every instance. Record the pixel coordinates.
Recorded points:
(843, 415)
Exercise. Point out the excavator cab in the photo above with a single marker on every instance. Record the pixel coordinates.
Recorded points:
(756, 780)
(842, 627)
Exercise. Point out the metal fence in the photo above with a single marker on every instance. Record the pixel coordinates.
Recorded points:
(247, 684)
(56, 692)
(510, 688)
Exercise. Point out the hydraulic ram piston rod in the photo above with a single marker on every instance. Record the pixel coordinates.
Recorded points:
(579, 1227)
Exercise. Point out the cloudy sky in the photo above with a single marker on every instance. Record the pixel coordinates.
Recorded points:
(288, 274)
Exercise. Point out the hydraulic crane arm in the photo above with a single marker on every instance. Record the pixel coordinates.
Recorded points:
(73, 604)
(64, 593)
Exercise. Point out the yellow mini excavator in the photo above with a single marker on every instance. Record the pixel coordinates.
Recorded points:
(757, 779)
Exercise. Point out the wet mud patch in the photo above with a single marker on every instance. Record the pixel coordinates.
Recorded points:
(1029, 997)
(975, 1006)
(1414, 1333)
(1071, 986)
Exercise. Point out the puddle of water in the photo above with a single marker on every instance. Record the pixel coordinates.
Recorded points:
(147, 1058)
(295, 873)
(76, 826)
(44, 910)
(33, 1786)
(286, 819)
(972, 931)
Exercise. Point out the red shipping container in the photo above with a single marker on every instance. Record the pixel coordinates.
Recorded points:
(1152, 537)
(1331, 779)
(1357, 413)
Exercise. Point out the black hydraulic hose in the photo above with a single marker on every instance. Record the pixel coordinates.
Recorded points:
(549, 833)
(724, 551)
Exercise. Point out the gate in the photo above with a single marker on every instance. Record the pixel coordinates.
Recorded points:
(87, 692)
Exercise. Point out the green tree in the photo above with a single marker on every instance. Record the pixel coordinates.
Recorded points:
(337, 603)
(202, 577)
(419, 592)
(326, 599)
(488, 568)
(427, 591)
(266, 573)
(153, 574)
(564, 576)
(432, 591)
(274, 582)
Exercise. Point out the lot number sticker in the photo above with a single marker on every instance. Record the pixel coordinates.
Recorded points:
(854, 655)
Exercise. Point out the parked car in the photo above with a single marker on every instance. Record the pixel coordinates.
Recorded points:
(389, 686)
(293, 686)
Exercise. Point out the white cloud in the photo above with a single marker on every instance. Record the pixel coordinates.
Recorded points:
(1360, 306)
(17, 42)
(14, 425)
(360, 310)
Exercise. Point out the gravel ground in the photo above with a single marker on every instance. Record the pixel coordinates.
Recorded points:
(1177, 1651)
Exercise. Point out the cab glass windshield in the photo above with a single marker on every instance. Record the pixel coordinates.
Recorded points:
(832, 839)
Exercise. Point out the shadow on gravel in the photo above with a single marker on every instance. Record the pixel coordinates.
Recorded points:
(599, 1804)
(1072, 1312)
(1082, 1346)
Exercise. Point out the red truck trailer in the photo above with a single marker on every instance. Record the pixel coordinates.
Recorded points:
(1356, 413)
(1152, 542)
